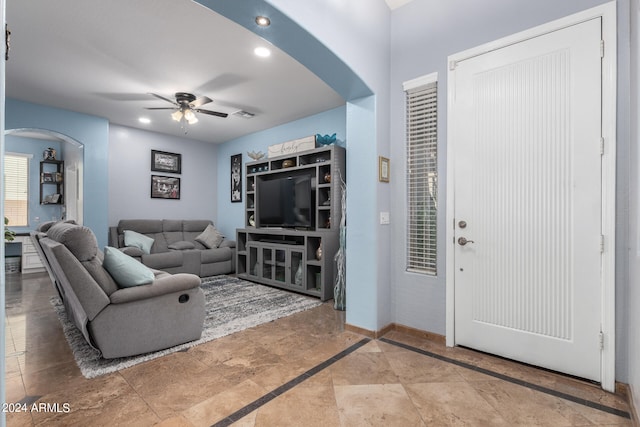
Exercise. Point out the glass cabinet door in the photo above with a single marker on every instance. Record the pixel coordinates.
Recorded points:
(267, 263)
(280, 265)
(254, 266)
(296, 271)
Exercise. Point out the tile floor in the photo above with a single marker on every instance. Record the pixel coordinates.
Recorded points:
(303, 370)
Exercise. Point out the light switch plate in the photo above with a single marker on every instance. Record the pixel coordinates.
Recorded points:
(384, 218)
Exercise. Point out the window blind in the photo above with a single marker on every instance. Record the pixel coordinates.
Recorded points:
(16, 189)
(422, 176)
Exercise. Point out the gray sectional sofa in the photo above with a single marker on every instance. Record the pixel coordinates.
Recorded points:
(176, 247)
(116, 317)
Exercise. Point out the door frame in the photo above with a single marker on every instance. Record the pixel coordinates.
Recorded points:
(607, 12)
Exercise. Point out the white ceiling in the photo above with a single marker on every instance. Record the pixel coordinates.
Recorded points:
(104, 57)
(394, 4)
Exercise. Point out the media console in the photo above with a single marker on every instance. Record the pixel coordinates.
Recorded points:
(287, 257)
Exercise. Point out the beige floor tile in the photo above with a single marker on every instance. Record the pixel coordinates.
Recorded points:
(246, 421)
(302, 406)
(174, 383)
(223, 404)
(104, 401)
(453, 404)
(363, 368)
(385, 405)
(411, 367)
(523, 406)
(51, 378)
(177, 421)
(19, 419)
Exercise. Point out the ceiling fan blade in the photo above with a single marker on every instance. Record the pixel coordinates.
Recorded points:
(211, 113)
(160, 108)
(200, 101)
(163, 98)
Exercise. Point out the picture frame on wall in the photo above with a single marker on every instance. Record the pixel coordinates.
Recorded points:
(162, 161)
(165, 187)
(236, 178)
(383, 169)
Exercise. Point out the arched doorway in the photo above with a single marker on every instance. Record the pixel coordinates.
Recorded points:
(72, 152)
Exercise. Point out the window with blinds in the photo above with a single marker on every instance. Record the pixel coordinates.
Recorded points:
(422, 173)
(16, 189)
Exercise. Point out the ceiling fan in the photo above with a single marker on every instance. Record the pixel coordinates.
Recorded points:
(186, 105)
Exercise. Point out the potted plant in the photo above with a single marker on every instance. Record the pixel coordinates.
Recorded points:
(8, 234)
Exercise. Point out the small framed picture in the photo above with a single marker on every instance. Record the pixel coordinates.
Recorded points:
(165, 187)
(161, 161)
(383, 169)
(236, 178)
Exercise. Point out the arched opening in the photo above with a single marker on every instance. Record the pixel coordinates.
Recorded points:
(31, 141)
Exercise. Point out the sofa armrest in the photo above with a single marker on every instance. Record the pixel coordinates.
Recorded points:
(161, 286)
(133, 252)
(113, 237)
(227, 244)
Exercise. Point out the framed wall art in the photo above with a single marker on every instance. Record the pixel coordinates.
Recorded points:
(165, 187)
(161, 161)
(236, 178)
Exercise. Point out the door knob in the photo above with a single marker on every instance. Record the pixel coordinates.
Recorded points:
(463, 241)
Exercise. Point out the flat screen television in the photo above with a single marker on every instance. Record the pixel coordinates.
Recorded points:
(285, 201)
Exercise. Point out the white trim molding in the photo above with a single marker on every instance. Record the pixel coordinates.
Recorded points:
(420, 81)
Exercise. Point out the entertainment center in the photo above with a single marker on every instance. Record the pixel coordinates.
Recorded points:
(292, 218)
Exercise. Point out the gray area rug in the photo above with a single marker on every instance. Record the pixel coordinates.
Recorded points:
(231, 305)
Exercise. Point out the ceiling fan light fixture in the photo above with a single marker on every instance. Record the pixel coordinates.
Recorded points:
(186, 106)
(177, 115)
(190, 117)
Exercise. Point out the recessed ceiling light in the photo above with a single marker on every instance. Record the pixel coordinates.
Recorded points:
(262, 52)
(263, 21)
(144, 120)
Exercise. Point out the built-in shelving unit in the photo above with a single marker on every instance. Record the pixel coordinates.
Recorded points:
(287, 257)
(52, 182)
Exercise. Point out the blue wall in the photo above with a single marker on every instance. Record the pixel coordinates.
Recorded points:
(93, 133)
(130, 176)
(231, 215)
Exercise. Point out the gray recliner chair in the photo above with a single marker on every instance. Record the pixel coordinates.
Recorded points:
(118, 321)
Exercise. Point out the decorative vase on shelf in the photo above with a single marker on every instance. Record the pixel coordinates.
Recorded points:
(319, 252)
(327, 177)
(49, 154)
(325, 139)
(255, 156)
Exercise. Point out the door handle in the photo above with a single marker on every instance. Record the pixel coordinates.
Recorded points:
(463, 241)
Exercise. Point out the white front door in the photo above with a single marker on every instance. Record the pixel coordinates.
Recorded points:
(527, 199)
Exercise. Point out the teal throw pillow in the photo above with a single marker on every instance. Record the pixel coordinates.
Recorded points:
(137, 240)
(126, 271)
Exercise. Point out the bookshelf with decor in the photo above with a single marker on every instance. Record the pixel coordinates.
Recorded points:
(292, 218)
(52, 182)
